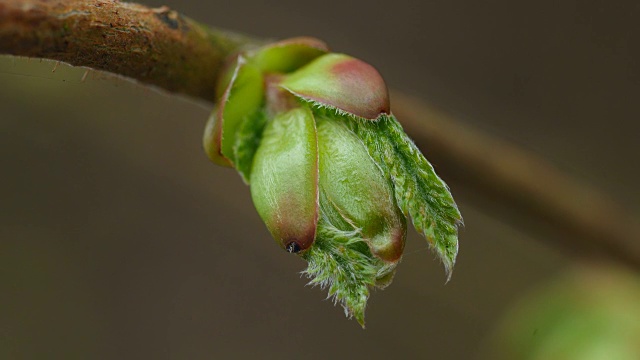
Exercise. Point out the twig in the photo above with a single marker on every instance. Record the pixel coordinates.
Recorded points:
(162, 48)
(155, 46)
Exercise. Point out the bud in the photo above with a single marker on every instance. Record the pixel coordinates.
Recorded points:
(332, 174)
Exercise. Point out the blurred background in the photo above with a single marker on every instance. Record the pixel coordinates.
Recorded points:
(119, 239)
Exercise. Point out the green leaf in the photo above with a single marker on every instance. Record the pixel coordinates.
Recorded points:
(341, 262)
(419, 191)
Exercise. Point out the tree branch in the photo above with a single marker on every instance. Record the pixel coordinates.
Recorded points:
(162, 48)
(155, 46)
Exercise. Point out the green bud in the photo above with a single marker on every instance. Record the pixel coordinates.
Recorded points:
(332, 174)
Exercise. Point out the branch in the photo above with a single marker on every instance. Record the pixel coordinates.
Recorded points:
(154, 46)
(162, 48)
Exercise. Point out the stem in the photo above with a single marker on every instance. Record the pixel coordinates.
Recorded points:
(162, 48)
(154, 46)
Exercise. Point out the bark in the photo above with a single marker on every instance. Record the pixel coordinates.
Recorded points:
(154, 46)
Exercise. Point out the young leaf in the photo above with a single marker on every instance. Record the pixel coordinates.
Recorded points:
(341, 262)
(419, 192)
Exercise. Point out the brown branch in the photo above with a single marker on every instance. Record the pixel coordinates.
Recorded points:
(162, 48)
(154, 46)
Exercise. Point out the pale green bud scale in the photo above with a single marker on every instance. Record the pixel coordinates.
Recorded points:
(288, 55)
(284, 179)
(243, 98)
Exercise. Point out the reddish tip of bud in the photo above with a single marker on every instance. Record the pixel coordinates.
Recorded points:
(390, 245)
(294, 223)
(366, 87)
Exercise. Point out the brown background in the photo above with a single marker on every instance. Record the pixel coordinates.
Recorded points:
(118, 239)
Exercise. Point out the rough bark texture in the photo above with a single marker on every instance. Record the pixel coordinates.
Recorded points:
(154, 46)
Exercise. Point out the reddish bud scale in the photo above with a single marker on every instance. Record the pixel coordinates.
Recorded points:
(341, 82)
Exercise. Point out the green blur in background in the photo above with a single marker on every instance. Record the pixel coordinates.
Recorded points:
(119, 239)
(589, 313)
